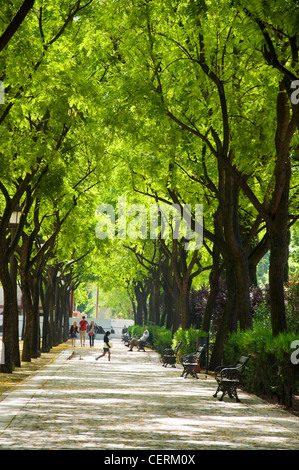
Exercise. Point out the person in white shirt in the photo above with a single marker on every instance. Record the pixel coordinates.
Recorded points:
(136, 342)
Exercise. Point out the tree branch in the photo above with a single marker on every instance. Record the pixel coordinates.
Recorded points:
(15, 23)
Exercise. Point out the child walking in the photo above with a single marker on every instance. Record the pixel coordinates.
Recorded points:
(107, 346)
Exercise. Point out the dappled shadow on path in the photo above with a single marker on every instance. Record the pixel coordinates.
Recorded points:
(133, 402)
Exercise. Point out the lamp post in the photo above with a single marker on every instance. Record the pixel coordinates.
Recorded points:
(15, 216)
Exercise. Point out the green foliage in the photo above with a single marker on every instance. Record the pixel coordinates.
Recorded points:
(87, 105)
(162, 338)
(270, 370)
(262, 317)
(136, 330)
(188, 338)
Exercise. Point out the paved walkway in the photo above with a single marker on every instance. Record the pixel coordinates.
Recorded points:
(133, 402)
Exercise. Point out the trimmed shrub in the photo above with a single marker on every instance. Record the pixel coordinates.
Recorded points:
(270, 370)
(188, 338)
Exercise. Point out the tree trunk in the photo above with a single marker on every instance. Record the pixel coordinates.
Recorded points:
(171, 296)
(184, 304)
(15, 318)
(141, 311)
(278, 260)
(36, 317)
(28, 302)
(214, 289)
(65, 312)
(221, 337)
(279, 210)
(182, 275)
(28, 334)
(8, 313)
(235, 253)
(46, 326)
(155, 299)
(59, 313)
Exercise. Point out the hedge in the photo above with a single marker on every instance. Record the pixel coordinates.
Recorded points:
(270, 370)
(188, 338)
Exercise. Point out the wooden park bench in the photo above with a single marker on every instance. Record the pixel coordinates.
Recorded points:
(170, 355)
(191, 364)
(229, 378)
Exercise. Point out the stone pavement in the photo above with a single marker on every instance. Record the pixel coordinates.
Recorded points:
(133, 403)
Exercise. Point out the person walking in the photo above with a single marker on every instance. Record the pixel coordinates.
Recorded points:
(91, 334)
(82, 330)
(107, 346)
(73, 333)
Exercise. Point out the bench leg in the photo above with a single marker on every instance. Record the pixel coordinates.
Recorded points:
(234, 394)
(224, 392)
(230, 390)
(171, 361)
(185, 372)
(189, 370)
(218, 390)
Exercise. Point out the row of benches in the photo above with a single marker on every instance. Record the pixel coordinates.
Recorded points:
(229, 378)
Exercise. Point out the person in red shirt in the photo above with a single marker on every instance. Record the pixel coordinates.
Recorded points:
(82, 330)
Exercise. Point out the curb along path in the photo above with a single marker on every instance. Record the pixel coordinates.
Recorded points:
(133, 403)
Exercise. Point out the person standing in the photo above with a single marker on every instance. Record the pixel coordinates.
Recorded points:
(73, 333)
(91, 334)
(107, 346)
(82, 330)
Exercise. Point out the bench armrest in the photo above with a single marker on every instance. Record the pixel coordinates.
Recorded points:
(231, 373)
(219, 369)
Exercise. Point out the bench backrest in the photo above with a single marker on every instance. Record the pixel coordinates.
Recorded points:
(242, 361)
(176, 349)
(194, 357)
